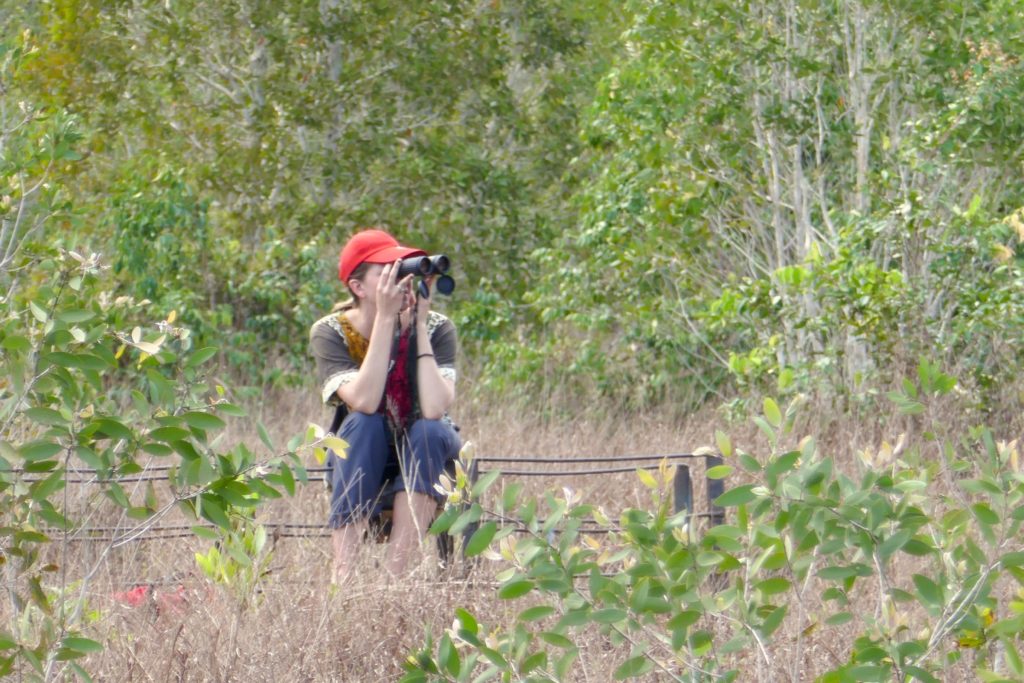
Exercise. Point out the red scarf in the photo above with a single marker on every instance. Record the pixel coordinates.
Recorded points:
(398, 403)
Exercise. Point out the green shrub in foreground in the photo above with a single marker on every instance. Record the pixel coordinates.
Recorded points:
(90, 395)
(911, 564)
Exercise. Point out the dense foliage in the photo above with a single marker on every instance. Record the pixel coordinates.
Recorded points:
(812, 557)
(674, 194)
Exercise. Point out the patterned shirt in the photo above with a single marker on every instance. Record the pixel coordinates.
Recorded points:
(339, 351)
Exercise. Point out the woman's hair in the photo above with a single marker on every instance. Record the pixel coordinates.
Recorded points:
(352, 301)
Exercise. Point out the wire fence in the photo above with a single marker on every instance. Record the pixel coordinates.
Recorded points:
(479, 466)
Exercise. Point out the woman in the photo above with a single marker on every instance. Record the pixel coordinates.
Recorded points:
(391, 361)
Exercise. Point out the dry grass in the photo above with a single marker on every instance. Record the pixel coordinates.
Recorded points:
(297, 627)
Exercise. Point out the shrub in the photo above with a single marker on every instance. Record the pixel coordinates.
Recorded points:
(910, 561)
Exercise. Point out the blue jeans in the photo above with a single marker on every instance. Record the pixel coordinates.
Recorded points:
(376, 467)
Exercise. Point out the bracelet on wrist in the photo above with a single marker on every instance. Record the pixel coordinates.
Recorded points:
(425, 355)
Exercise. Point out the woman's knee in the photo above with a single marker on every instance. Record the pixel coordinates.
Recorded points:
(432, 443)
(433, 432)
(358, 424)
(366, 435)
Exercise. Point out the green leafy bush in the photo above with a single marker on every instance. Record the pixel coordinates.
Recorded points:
(99, 385)
(911, 561)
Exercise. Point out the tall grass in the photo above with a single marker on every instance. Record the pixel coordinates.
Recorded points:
(296, 626)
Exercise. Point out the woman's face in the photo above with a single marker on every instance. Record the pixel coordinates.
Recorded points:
(369, 282)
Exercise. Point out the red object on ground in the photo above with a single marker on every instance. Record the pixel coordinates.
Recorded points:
(172, 600)
(136, 597)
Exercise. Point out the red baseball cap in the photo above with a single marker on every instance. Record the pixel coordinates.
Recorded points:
(371, 246)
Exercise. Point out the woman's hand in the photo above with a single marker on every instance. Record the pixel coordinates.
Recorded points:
(392, 294)
(423, 302)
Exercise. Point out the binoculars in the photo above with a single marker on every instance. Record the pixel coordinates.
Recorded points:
(428, 265)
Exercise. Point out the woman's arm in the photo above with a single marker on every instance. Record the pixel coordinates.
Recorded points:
(365, 392)
(436, 393)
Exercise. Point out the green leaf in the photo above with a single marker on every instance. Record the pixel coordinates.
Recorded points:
(928, 592)
(684, 619)
(557, 640)
(484, 483)
(893, 543)
(80, 672)
(634, 666)
(169, 434)
(467, 622)
(39, 450)
(470, 516)
(772, 413)
(82, 361)
(869, 674)
(515, 589)
(839, 573)
(38, 312)
(535, 613)
(231, 410)
(116, 494)
(773, 585)
(444, 520)
(157, 449)
(287, 480)
(203, 421)
(719, 472)
(480, 539)
(534, 661)
(1013, 658)
(112, 428)
(772, 622)
(45, 416)
(765, 428)
(448, 656)
(608, 615)
(201, 356)
(41, 490)
(265, 437)
(16, 343)
(782, 464)
(919, 674)
(737, 496)
(724, 443)
(984, 514)
(749, 463)
(211, 509)
(839, 619)
(205, 532)
(1014, 559)
(75, 315)
(83, 645)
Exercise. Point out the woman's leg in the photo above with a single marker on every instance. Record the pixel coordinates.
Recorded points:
(411, 517)
(345, 542)
(430, 444)
(356, 482)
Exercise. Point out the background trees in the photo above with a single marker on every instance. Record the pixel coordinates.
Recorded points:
(681, 194)
(672, 193)
(799, 190)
